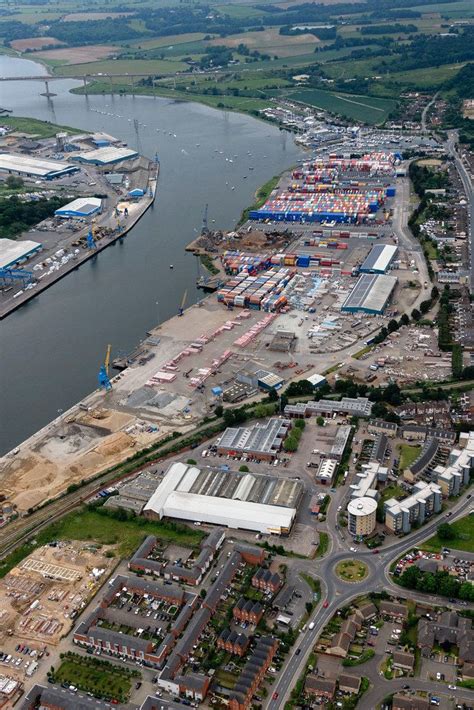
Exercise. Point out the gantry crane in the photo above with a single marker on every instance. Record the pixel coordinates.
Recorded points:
(181, 308)
(103, 377)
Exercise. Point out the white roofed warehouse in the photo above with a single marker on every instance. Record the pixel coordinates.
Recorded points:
(371, 294)
(379, 260)
(13, 253)
(105, 156)
(80, 208)
(247, 501)
(27, 166)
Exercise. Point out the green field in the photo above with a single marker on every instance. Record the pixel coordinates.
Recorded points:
(408, 454)
(464, 540)
(367, 109)
(100, 678)
(40, 129)
(455, 9)
(122, 66)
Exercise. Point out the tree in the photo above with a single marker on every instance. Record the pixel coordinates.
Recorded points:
(300, 423)
(14, 182)
(191, 462)
(244, 469)
(273, 395)
(415, 314)
(392, 326)
(404, 320)
(320, 421)
(290, 444)
(446, 532)
(219, 410)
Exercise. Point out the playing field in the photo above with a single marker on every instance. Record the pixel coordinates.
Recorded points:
(353, 106)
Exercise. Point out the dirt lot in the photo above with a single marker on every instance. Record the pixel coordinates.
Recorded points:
(72, 451)
(21, 45)
(80, 55)
(85, 16)
(40, 599)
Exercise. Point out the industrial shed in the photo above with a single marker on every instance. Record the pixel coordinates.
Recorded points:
(27, 166)
(262, 503)
(379, 260)
(371, 294)
(82, 207)
(13, 253)
(105, 156)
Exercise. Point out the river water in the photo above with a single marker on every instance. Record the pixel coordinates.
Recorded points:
(51, 349)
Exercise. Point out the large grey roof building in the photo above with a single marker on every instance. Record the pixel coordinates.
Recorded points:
(371, 294)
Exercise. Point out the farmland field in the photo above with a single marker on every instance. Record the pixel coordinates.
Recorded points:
(122, 66)
(88, 16)
(353, 106)
(271, 42)
(21, 45)
(168, 41)
(79, 55)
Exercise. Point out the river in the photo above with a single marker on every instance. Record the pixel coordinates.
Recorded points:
(51, 349)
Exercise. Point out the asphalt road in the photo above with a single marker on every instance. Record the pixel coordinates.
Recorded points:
(337, 593)
(467, 183)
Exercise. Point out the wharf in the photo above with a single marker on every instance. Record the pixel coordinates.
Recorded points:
(145, 203)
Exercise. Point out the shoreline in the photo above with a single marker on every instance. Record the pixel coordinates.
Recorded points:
(27, 296)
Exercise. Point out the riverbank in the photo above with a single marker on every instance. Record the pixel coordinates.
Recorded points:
(65, 244)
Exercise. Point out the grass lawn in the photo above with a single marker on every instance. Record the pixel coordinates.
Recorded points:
(408, 454)
(352, 570)
(323, 544)
(464, 540)
(313, 583)
(368, 109)
(261, 196)
(101, 678)
(41, 129)
(90, 525)
(392, 491)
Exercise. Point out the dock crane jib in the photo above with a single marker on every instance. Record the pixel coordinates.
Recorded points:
(181, 308)
(103, 376)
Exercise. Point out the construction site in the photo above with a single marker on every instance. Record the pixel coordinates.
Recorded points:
(41, 598)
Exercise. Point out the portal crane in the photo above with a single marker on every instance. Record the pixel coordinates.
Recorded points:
(91, 243)
(103, 377)
(181, 308)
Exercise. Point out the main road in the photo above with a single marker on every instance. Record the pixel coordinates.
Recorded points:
(337, 593)
(468, 188)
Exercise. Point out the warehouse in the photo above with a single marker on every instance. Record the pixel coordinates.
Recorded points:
(13, 253)
(371, 294)
(80, 208)
(249, 501)
(27, 166)
(379, 260)
(105, 156)
(261, 441)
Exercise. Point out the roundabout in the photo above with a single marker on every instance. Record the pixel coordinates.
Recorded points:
(351, 570)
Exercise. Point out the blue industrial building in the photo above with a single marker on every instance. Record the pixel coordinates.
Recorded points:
(370, 295)
(379, 259)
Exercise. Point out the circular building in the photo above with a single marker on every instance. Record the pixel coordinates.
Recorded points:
(361, 512)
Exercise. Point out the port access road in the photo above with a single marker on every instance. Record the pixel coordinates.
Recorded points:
(337, 593)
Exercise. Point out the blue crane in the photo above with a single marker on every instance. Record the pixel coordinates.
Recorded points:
(103, 376)
(10, 276)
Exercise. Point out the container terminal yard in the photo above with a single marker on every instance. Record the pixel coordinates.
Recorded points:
(105, 188)
(278, 316)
